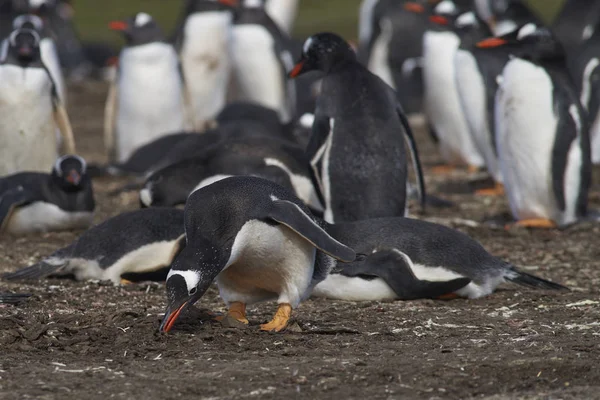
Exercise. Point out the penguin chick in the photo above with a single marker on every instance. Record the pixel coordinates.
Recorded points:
(258, 241)
(128, 245)
(37, 202)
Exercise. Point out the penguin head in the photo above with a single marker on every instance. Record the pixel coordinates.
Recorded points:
(24, 46)
(139, 30)
(444, 15)
(70, 172)
(28, 21)
(323, 52)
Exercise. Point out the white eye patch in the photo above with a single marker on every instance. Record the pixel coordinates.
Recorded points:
(142, 19)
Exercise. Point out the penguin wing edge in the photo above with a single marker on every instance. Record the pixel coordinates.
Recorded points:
(289, 214)
(11, 200)
(414, 153)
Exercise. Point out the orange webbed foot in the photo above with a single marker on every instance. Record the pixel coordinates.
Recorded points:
(280, 320)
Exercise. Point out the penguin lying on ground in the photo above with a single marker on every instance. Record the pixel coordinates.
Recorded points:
(542, 132)
(30, 108)
(37, 202)
(128, 246)
(357, 151)
(258, 241)
(405, 259)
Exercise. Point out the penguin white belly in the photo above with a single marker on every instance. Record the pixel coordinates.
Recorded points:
(150, 99)
(44, 217)
(49, 57)
(472, 92)
(379, 62)
(595, 140)
(267, 261)
(442, 101)
(283, 12)
(28, 131)
(341, 287)
(303, 186)
(258, 70)
(205, 57)
(525, 135)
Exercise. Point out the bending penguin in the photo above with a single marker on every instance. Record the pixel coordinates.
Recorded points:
(261, 59)
(406, 259)
(542, 132)
(258, 241)
(147, 99)
(357, 152)
(203, 43)
(30, 108)
(131, 246)
(38, 202)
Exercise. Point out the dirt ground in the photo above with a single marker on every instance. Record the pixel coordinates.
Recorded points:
(96, 341)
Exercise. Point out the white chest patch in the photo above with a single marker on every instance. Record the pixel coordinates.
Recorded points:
(283, 13)
(340, 287)
(46, 217)
(302, 185)
(379, 61)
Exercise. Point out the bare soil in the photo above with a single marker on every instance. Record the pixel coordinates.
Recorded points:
(96, 341)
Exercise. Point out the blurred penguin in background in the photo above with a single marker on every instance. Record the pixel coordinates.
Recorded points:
(576, 22)
(146, 100)
(284, 13)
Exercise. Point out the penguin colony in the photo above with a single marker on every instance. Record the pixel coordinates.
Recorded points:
(292, 190)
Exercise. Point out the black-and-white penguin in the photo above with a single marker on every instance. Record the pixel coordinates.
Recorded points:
(442, 101)
(131, 246)
(48, 51)
(261, 58)
(279, 161)
(146, 100)
(283, 13)
(30, 108)
(405, 259)
(258, 241)
(203, 42)
(357, 150)
(576, 22)
(542, 132)
(40, 202)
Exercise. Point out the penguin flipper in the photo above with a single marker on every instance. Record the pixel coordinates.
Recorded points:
(395, 268)
(35, 271)
(414, 153)
(315, 151)
(524, 279)
(61, 119)
(10, 298)
(110, 116)
(289, 214)
(10, 200)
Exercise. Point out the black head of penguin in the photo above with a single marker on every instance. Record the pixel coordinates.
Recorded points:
(29, 21)
(70, 173)
(23, 47)
(139, 30)
(323, 52)
(217, 218)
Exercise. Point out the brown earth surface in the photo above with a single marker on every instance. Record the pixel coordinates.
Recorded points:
(96, 341)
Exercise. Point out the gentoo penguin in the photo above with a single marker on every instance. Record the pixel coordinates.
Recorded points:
(130, 246)
(283, 13)
(542, 132)
(442, 101)
(48, 50)
(203, 42)
(357, 151)
(146, 100)
(505, 16)
(13, 298)
(37, 202)
(403, 258)
(279, 161)
(258, 241)
(261, 59)
(30, 108)
(576, 22)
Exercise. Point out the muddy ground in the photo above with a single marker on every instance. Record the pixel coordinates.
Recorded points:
(95, 341)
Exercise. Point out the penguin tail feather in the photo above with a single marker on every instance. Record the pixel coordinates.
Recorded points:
(9, 298)
(524, 279)
(36, 271)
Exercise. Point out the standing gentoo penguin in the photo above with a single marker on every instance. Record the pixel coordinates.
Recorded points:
(261, 59)
(403, 258)
(38, 202)
(203, 42)
(146, 100)
(283, 12)
(542, 132)
(128, 246)
(48, 51)
(30, 108)
(258, 241)
(357, 149)
(442, 101)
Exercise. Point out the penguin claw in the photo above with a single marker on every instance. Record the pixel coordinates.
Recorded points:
(237, 311)
(280, 320)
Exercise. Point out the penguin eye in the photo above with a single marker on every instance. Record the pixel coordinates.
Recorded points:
(193, 291)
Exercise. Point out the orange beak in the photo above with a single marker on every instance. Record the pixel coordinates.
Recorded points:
(438, 19)
(414, 7)
(491, 43)
(230, 3)
(74, 178)
(112, 62)
(168, 324)
(297, 69)
(118, 25)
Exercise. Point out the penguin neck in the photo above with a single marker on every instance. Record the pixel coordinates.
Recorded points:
(342, 65)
